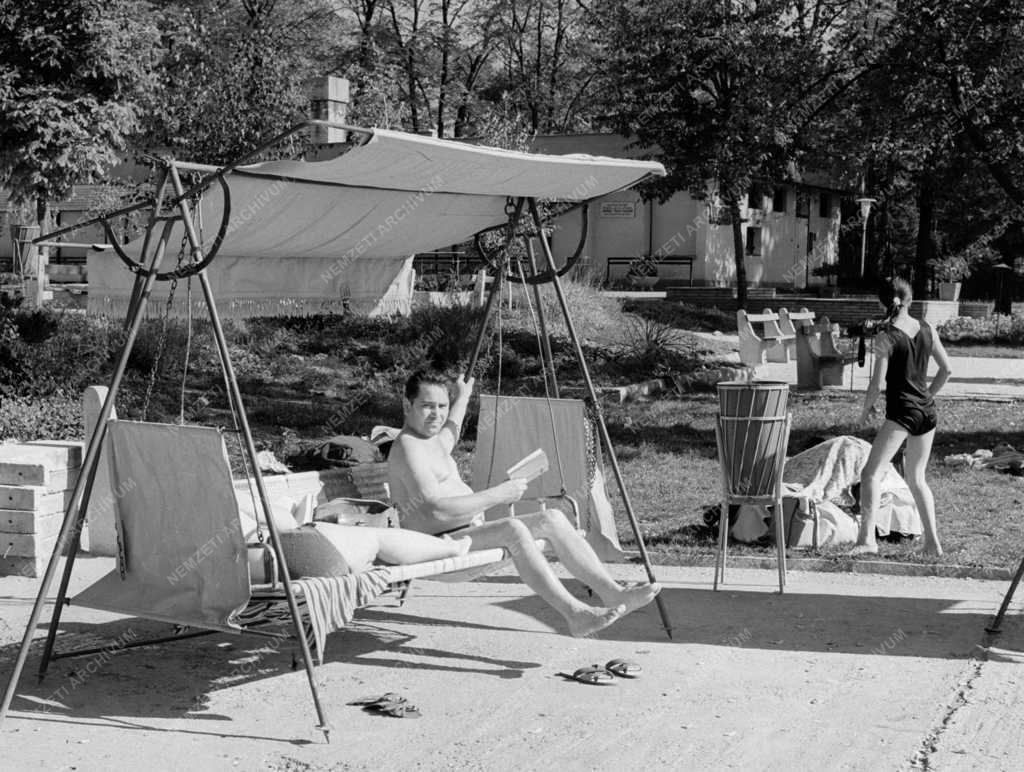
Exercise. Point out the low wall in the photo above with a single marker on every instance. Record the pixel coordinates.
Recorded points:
(843, 311)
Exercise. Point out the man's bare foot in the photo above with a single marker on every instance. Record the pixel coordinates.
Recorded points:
(635, 597)
(591, 619)
(863, 549)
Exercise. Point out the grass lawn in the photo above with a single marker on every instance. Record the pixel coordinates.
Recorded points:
(669, 461)
(306, 379)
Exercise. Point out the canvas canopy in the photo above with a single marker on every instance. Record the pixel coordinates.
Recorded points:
(309, 236)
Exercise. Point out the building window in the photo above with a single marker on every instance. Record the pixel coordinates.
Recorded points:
(803, 205)
(753, 240)
(755, 196)
(812, 239)
(779, 200)
(824, 205)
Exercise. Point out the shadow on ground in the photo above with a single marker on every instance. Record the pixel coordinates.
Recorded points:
(177, 680)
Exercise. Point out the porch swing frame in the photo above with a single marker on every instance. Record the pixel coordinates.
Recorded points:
(147, 271)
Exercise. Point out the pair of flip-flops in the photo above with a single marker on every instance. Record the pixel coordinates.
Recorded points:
(390, 704)
(595, 675)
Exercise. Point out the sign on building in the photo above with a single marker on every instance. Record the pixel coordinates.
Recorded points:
(618, 209)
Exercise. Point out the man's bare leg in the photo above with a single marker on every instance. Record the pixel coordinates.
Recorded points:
(513, 535)
(888, 440)
(918, 451)
(582, 562)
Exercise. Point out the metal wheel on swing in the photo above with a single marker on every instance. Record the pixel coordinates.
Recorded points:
(498, 258)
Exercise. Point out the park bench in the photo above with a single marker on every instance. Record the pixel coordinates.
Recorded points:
(682, 260)
(771, 345)
(819, 362)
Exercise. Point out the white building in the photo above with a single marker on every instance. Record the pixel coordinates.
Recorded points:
(788, 231)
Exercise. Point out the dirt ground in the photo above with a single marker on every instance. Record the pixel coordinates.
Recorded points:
(845, 671)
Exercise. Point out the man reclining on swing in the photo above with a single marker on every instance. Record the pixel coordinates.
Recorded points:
(432, 498)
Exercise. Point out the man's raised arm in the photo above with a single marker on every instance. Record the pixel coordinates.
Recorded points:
(457, 412)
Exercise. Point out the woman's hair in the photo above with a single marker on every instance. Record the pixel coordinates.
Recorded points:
(423, 378)
(894, 294)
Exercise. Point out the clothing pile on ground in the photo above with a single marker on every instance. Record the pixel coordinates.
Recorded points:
(819, 492)
(1003, 457)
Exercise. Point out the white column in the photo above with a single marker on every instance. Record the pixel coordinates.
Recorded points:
(100, 514)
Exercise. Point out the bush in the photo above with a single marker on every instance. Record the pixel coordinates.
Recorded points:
(47, 418)
(45, 353)
(595, 316)
(998, 328)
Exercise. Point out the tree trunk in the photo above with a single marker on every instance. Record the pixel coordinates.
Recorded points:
(925, 250)
(733, 205)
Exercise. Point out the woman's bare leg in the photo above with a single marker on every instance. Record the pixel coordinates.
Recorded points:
(888, 440)
(512, 534)
(579, 558)
(399, 545)
(918, 451)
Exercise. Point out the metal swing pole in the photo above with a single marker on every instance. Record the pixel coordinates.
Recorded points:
(602, 428)
(70, 531)
(250, 447)
(545, 344)
(998, 620)
(488, 307)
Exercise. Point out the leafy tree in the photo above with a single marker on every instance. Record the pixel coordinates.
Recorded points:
(725, 93)
(235, 73)
(72, 74)
(938, 121)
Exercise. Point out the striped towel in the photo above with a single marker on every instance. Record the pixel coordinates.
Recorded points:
(331, 601)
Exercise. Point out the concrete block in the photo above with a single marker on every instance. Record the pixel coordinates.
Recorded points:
(38, 474)
(26, 545)
(50, 466)
(29, 567)
(75, 449)
(34, 498)
(26, 521)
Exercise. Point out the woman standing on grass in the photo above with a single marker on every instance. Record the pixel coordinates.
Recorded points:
(902, 350)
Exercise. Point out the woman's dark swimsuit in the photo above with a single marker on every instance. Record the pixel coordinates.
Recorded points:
(908, 402)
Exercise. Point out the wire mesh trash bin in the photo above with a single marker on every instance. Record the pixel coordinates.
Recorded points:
(752, 430)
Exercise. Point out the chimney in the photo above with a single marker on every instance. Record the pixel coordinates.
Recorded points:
(329, 97)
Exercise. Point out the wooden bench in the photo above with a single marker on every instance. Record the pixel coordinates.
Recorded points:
(819, 362)
(684, 260)
(771, 345)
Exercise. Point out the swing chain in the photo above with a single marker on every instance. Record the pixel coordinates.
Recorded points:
(161, 343)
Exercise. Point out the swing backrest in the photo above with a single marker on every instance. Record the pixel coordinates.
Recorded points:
(512, 427)
(182, 556)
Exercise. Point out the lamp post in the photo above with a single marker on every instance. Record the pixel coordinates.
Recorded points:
(865, 211)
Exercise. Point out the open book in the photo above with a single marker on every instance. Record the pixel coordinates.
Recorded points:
(531, 467)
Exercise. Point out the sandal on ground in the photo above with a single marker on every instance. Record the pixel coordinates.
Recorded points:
(624, 668)
(593, 675)
(379, 699)
(397, 710)
(389, 704)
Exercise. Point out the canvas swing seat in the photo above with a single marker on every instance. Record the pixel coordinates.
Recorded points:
(182, 552)
(511, 427)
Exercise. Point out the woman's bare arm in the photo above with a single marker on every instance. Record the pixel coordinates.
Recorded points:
(881, 349)
(942, 360)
